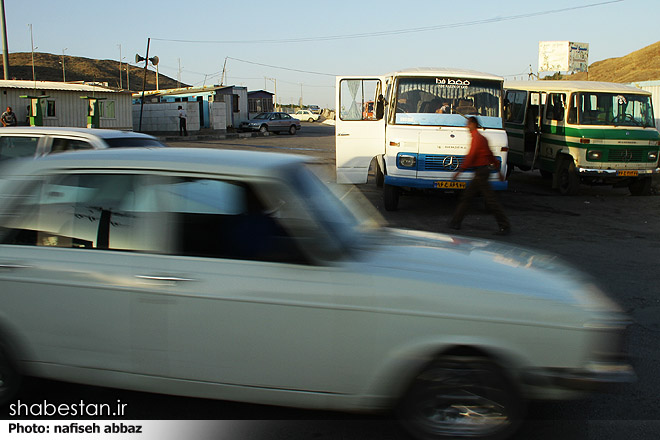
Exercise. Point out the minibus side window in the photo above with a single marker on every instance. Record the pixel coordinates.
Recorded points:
(554, 109)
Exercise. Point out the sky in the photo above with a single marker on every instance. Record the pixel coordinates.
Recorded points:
(299, 47)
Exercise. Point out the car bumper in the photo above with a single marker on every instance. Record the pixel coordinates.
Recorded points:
(594, 376)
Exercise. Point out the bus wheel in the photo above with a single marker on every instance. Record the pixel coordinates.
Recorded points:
(509, 171)
(380, 177)
(640, 186)
(569, 182)
(390, 197)
(546, 174)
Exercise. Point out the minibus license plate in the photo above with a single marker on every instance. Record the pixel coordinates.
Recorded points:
(627, 173)
(449, 184)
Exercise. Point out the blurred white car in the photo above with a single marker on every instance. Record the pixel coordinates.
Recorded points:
(18, 142)
(240, 276)
(305, 115)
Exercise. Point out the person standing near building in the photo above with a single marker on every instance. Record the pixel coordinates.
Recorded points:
(182, 122)
(481, 159)
(8, 118)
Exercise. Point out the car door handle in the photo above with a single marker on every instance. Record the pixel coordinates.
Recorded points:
(14, 266)
(165, 278)
(343, 134)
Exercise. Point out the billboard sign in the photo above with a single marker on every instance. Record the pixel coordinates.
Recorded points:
(563, 56)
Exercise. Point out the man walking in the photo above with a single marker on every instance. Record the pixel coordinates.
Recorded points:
(481, 159)
(8, 118)
(182, 122)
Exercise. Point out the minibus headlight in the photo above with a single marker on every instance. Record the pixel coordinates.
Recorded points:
(653, 155)
(407, 160)
(594, 155)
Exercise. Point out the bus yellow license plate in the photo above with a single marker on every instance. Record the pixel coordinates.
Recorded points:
(627, 173)
(449, 184)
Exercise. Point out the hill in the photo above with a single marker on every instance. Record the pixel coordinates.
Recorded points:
(48, 67)
(641, 65)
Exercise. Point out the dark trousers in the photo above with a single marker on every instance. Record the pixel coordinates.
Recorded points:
(480, 184)
(182, 127)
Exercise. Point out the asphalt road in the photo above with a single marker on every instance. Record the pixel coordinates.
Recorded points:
(603, 231)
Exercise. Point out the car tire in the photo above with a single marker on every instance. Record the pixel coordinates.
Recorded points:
(461, 397)
(568, 180)
(310, 120)
(263, 129)
(292, 130)
(10, 378)
(640, 186)
(390, 197)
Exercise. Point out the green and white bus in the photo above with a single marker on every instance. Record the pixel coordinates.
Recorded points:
(582, 132)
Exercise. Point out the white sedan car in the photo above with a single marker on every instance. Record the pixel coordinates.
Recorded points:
(305, 115)
(240, 276)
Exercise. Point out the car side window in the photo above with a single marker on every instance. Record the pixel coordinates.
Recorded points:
(89, 211)
(13, 147)
(64, 144)
(222, 219)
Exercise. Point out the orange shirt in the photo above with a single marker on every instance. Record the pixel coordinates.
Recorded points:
(479, 154)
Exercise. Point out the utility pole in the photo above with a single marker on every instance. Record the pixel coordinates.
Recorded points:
(144, 83)
(178, 76)
(224, 70)
(5, 50)
(63, 70)
(128, 77)
(275, 96)
(32, 45)
(120, 85)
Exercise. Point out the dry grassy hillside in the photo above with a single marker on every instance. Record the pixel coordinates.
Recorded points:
(641, 65)
(48, 67)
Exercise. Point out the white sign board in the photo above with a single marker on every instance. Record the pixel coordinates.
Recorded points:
(563, 56)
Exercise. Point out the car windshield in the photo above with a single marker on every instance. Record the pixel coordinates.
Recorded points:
(262, 116)
(445, 101)
(126, 142)
(629, 109)
(345, 226)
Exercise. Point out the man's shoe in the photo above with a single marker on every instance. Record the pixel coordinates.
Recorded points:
(503, 231)
(455, 226)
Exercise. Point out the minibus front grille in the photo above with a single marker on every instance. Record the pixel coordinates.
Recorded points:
(626, 155)
(440, 162)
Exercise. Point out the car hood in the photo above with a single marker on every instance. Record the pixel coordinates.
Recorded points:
(481, 268)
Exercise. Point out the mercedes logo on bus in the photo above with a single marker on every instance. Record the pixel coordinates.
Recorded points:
(627, 155)
(451, 163)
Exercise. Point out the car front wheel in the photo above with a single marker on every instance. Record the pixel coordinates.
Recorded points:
(459, 397)
(263, 129)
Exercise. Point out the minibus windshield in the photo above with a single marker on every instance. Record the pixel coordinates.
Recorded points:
(445, 101)
(597, 108)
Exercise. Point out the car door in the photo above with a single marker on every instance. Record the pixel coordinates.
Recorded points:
(70, 250)
(244, 306)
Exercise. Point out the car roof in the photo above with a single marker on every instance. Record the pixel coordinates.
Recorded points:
(97, 132)
(188, 160)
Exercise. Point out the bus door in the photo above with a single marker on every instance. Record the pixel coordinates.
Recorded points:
(359, 135)
(532, 128)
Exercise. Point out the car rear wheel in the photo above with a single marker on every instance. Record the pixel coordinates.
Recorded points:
(458, 397)
(292, 130)
(310, 120)
(10, 379)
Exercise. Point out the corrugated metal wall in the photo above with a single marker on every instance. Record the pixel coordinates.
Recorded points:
(70, 110)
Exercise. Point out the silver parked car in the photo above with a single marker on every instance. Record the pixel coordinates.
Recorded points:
(18, 142)
(276, 122)
(240, 276)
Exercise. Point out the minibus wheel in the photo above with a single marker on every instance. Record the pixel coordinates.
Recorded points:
(390, 197)
(569, 181)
